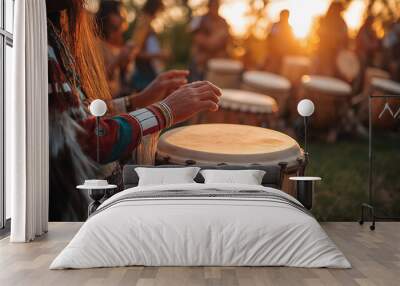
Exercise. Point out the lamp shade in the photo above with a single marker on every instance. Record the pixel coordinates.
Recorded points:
(305, 107)
(98, 107)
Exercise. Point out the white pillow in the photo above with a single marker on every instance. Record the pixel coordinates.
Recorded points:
(166, 176)
(247, 177)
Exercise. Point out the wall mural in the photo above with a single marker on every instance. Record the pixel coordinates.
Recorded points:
(162, 67)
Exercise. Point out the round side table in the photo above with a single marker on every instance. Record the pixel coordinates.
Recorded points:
(96, 193)
(305, 189)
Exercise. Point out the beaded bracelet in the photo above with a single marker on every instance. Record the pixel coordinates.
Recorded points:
(166, 111)
(170, 114)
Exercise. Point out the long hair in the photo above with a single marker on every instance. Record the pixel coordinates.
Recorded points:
(79, 31)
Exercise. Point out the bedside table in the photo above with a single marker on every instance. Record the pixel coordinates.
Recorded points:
(305, 189)
(96, 194)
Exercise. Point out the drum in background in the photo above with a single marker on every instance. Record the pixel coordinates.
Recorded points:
(294, 67)
(242, 107)
(385, 119)
(224, 73)
(330, 96)
(362, 99)
(348, 65)
(369, 75)
(215, 144)
(269, 84)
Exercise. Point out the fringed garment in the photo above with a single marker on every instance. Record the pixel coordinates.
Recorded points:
(72, 135)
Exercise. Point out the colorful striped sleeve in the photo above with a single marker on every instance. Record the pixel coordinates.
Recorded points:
(120, 135)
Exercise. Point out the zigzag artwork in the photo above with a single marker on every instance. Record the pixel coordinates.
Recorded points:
(387, 108)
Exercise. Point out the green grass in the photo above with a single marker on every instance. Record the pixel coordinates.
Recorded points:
(344, 169)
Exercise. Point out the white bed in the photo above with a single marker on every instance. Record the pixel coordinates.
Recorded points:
(185, 230)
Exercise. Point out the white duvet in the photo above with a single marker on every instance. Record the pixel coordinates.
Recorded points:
(200, 231)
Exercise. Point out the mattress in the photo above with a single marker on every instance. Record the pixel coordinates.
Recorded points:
(201, 225)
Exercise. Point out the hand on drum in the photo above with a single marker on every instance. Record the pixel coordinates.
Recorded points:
(193, 98)
(164, 84)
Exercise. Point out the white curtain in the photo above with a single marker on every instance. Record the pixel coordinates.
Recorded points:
(27, 143)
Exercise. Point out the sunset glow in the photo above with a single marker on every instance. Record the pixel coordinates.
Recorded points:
(236, 14)
(302, 17)
(354, 14)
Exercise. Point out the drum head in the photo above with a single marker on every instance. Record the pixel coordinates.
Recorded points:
(248, 101)
(266, 80)
(348, 65)
(225, 65)
(386, 85)
(297, 61)
(326, 84)
(227, 143)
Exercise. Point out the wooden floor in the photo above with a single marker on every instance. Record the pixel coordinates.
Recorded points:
(375, 257)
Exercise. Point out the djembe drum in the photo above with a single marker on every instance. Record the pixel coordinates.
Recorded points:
(224, 73)
(330, 96)
(242, 107)
(370, 74)
(215, 144)
(385, 119)
(269, 84)
(348, 65)
(361, 100)
(294, 67)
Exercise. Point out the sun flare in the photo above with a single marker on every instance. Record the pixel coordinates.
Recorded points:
(236, 12)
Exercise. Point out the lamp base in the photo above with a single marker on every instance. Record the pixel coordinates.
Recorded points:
(305, 190)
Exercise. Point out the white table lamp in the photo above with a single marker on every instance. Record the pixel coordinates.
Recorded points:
(98, 108)
(305, 108)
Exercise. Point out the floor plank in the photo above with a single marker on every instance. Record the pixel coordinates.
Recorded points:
(375, 257)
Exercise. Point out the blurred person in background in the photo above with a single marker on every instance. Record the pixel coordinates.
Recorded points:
(367, 43)
(119, 57)
(151, 58)
(280, 42)
(76, 77)
(211, 39)
(391, 44)
(333, 37)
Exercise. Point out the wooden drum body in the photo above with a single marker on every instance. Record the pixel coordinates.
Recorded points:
(330, 96)
(216, 144)
(242, 107)
(269, 84)
(224, 73)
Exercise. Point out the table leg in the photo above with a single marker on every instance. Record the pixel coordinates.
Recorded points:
(305, 190)
(96, 195)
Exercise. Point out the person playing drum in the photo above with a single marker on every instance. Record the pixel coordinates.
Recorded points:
(281, 42)
(76, 77)
(367, 43)
(333, 37)
(210, 40)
